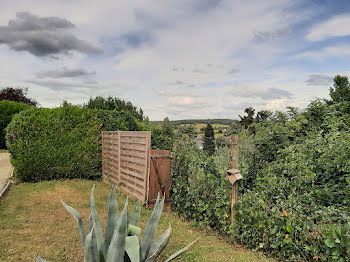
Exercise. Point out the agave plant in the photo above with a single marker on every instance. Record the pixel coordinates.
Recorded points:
(121, 241)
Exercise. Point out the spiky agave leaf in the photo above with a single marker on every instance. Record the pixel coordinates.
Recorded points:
(180, 251)
(90, 222)
(91, 252)
(96, 221)
(112, 217)
(135, 216)
(134, 230)
(159, 245)
(150, 230)
(116, 250)
(77, 217)
(132, 248)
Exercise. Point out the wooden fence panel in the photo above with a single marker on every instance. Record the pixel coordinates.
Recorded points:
(159, 178)
(110, 156)
(126, 156)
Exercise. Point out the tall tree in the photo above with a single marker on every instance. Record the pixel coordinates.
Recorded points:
(340, 91)
(208, 140)
(17, 95)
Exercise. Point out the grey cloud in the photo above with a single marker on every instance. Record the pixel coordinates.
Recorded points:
(62, 85)
(233, 71)
(65, 72)
(261, 36)
(178, 82)
(264, 93)
(28, 22)
(178, 69)
(319, 80)
(43, 36)
(205, 5)
(200, 71)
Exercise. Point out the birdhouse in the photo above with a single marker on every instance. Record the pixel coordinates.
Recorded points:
(233, 175)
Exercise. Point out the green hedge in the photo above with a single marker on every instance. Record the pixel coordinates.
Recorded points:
(7, 110)
(61, 143)
(200, 191)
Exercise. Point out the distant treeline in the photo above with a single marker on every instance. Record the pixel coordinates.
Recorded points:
(197, 121)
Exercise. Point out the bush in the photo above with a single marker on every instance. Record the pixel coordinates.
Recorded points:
(200, 191)
(294, 200)
(297, 204)
(7, 110)
(61, 143)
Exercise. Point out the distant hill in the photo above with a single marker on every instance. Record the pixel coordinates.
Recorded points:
(176, 123)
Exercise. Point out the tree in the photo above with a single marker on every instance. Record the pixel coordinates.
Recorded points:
(340, 91)
(17, 95)
(263, 115)
(114, 103)
(208, 140)
(163, 136)
(7, 110)
(247, 120)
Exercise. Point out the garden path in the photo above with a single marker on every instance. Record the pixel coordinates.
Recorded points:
(5, 170)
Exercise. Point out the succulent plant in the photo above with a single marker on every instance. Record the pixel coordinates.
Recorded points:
(121, 241)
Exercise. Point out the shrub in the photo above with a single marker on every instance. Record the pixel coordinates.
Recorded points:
(61, 143)
(7, 110)
(200, 191)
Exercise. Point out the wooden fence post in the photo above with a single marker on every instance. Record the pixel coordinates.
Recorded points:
(234, 164)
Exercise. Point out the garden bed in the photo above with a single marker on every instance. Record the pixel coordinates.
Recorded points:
(33, 222)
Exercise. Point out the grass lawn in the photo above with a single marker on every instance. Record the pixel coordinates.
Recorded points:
(3, 151)
(33, 222)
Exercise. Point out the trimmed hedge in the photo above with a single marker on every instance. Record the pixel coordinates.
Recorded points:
(7, 110)
(61, 143)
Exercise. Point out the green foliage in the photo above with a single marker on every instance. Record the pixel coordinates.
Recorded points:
(294, 200)
(188, 131)
(247, 120)
(61, 143)
(340, 91)
(17, 95)
(7, 110)
(121, 241)
(200, 191)
(114, 103)
(163, 135)
(222, 142)
(208, 140)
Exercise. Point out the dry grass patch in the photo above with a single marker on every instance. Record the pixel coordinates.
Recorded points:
(33, 222)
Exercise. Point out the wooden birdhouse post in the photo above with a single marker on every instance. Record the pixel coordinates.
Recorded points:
(234, 175)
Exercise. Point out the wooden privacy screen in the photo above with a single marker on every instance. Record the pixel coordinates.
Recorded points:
(159, 179)
(125, 160)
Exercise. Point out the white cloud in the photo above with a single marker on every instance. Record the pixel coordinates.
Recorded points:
(341, 51)
(333, 27)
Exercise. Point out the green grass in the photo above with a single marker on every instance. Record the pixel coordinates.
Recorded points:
(33, 222)
(3, 151)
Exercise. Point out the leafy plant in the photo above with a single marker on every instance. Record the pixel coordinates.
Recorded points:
(337, 242)
(121, 241)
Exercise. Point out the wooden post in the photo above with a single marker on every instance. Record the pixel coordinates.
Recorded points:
(119, 148)
(234, 164)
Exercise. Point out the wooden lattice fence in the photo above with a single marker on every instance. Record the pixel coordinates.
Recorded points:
(126, 160)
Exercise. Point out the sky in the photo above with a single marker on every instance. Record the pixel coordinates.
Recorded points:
(182, 59)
